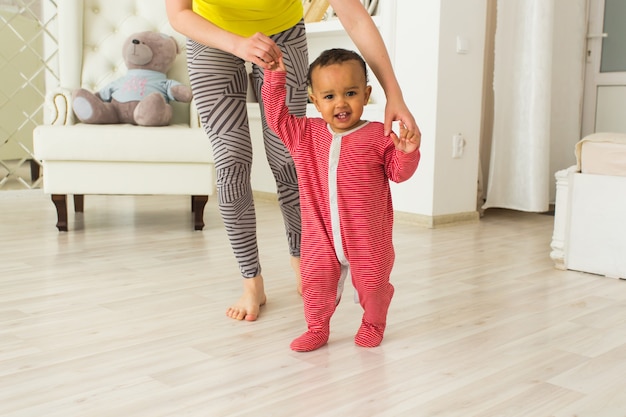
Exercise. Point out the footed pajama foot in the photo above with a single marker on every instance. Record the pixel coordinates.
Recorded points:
(369, 335)
(309, 341)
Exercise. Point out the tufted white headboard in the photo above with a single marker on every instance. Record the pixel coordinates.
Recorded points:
(91, 34)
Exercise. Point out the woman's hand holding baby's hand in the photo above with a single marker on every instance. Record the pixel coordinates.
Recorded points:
(258, 49)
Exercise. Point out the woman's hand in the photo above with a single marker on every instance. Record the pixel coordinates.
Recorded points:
(258, 49)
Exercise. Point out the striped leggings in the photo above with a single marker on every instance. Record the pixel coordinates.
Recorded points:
(219, 81)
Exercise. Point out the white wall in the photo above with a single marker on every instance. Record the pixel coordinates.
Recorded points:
(460, 105)
(444, 90)
(416, 54)
(567, 83)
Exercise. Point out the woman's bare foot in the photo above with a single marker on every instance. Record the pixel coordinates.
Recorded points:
(253, 297)
(295, 264)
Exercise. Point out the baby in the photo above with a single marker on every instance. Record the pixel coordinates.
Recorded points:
(344, 165)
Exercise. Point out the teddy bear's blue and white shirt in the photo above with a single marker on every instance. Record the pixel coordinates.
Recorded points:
(137, 84)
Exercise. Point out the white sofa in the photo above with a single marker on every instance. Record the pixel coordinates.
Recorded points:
(79, 159)
(590, 209)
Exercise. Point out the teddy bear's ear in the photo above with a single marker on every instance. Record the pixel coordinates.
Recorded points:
(166, 36)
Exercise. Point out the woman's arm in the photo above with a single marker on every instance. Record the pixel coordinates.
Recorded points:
(258, 48)
(361, 28)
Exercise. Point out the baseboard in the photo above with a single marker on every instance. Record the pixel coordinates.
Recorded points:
(432, 222)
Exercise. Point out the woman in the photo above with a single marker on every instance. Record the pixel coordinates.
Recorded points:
(222, 36)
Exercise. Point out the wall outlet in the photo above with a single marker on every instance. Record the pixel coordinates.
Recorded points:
(458, 144)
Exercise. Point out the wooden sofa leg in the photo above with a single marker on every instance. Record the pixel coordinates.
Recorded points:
(79, 203)
(60, 202)
(197, 206)
(35, 170)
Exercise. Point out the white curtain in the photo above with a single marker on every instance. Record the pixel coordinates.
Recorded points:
(519, 172)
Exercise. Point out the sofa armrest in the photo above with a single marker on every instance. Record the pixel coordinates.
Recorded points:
(59, 106)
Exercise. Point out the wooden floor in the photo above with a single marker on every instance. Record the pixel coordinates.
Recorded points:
(124, 316)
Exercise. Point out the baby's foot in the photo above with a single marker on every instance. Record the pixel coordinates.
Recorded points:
(249, 304)
(369, 335)
(309, 341)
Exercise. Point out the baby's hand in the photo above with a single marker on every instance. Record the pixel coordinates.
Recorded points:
(408, 141)
(277, 66)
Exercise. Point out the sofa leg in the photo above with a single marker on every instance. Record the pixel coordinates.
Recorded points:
(60, 202)
(35, 170)
(79, 203)
(197, 206)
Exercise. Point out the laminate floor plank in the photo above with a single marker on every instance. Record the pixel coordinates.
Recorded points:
(124, 315)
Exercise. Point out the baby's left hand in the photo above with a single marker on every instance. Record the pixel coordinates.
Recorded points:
(408, 141)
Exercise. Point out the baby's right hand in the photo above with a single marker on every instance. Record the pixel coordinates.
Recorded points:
(277, 66)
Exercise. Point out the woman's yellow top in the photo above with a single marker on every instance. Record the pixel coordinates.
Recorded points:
(246, 17)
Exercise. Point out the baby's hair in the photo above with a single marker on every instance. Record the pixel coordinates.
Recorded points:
(335, 56)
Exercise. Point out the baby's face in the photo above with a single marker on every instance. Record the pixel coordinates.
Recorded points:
(339, 92)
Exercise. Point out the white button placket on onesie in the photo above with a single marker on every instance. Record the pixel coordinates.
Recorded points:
(333, 163)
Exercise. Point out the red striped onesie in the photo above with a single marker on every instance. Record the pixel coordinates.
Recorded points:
(347, 214)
